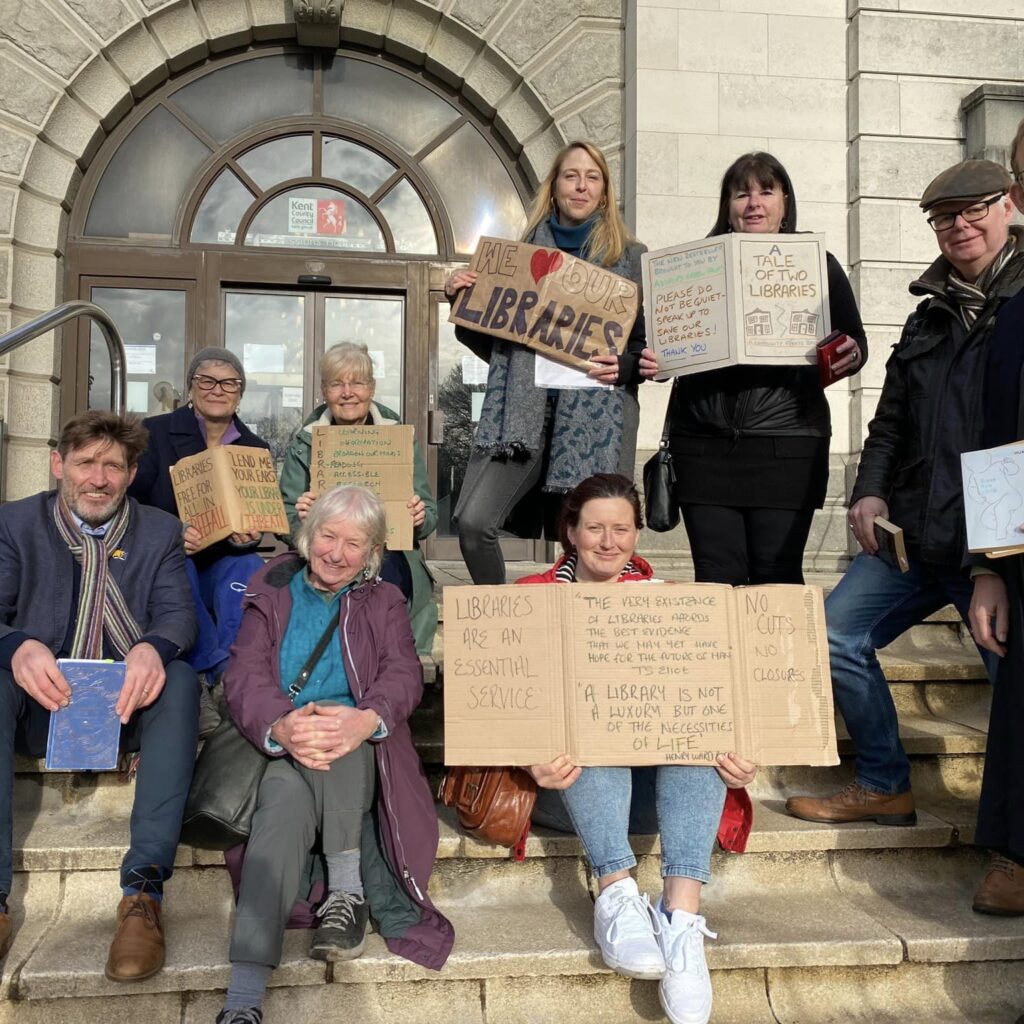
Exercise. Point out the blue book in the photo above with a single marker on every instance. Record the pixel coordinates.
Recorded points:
(86, 735)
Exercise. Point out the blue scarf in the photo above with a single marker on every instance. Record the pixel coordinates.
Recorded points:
(572, 238)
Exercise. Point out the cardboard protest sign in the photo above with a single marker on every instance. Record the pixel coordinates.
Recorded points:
(228, 489)
(564, 307)
(736, 298)
(641, 674)
(378, 458)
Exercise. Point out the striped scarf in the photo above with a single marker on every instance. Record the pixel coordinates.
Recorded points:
(101, 605)
(566, 572)
(971, 297)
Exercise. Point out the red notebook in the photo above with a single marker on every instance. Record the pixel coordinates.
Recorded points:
(828, 356)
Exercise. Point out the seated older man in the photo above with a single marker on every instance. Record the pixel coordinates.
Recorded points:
(86, 572)
(930, 411)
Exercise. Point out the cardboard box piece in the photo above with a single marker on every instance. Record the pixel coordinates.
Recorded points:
(566, 308)
(378, 458)
(228, 489)
(658, 673)
(735, 299)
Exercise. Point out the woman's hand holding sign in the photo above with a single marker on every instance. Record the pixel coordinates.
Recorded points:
(458, 280)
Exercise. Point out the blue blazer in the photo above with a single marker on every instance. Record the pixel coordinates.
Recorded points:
(36, 574)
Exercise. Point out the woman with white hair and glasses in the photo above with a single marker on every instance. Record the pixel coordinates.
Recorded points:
(343, 766)
(346, 378)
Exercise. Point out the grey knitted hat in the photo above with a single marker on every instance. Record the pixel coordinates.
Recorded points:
(215, 355)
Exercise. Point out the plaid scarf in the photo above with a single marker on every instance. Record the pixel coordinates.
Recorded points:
(101, 605)
(970, 298)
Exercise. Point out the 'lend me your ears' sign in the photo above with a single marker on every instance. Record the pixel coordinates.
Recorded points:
(563, 307)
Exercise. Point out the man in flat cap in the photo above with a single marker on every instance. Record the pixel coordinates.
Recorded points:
(930, 411)
(997, 619)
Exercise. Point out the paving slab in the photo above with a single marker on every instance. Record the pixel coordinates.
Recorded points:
(965, 993)
(164, 1008)
(925, 899)
(970, 705)
(34, 902)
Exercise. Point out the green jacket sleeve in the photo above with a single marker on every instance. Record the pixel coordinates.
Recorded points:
(295, 479)
(421, 485)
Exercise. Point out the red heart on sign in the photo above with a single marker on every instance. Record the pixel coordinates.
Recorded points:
(543, 262)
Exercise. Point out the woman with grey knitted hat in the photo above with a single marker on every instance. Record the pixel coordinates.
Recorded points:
(218, 574)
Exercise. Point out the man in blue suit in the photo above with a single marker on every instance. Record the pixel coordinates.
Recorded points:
(86, 572)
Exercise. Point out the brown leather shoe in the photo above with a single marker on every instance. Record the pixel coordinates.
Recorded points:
(855, 803)
(137, 951)
(6, 933)
(1002, 889)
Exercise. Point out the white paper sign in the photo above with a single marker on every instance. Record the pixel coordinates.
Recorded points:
(263, 358)
(140, 359)
(549, 374)
(291, 398)
(994, 497)
(476, 405)
(301, 216)
(138, 396)
(474, 370)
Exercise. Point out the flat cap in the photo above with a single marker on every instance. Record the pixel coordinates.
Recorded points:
(972, 179)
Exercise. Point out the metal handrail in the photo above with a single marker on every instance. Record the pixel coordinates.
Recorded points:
(61, 314)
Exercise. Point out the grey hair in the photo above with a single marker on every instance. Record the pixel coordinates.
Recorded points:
(346, 355)
(355, 504)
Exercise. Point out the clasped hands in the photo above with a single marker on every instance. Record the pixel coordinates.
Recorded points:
(316, 735)
(735, 771)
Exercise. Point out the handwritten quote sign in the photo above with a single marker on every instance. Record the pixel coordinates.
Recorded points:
(566, 308)
(378, 458)
(228, 489)
(736, 298)
(636, 675)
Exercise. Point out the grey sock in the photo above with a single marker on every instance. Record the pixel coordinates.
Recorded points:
(247, 986)
(343, 873)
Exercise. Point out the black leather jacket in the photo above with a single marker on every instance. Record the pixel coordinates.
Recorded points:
(765, 401)
(930, 411)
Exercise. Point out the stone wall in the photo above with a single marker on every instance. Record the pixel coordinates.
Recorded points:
(541, 70)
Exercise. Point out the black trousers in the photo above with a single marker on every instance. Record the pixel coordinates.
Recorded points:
(747, 545)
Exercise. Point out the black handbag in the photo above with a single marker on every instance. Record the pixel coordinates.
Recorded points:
(660, 503)
(227, 776)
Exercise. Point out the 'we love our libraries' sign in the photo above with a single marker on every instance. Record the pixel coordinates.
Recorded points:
(566, 308)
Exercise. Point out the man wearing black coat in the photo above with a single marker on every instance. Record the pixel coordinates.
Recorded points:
(928, 413)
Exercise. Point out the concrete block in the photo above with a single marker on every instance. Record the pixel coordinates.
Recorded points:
(817, 168)
(537, 22)
(881, 338)
(227, 23)
(669, 220)
(7, 198)
(791, 39)
(897, 168)
(539, 153)
(825, 8)
(31, 409)
(829, 219)
(22, 94)
(477, 14)
(882, 291)
(40, 357)
(50, 173)
(657, 38)
(272, 19)
(38, 222)
(182, 36)
(742, 109)
(930, 107)
(715, 41)
(521, 116)
(27, 465)
(410, 29)
(588, 57)
(703, 160)
(6, 254)
(981, 9)
(44, 35)
(161, 1009)
(102, 90)
(874, 105)
(73, 129)
(365, 21)
(14, 149)
(910, 45)
(875, 231)
(450, 51)
(917, 240)
(600, 121)
(34, 280)
(680, 102)
(657, 163)
(139, 59)
(489, 80)
(105, 17)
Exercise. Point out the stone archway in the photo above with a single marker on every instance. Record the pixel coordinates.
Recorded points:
(541, 70)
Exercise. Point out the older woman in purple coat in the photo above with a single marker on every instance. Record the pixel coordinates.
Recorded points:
(342, 761)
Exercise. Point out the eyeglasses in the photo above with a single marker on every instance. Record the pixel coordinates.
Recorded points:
(229, 385)
(338, 387)
(972, 213)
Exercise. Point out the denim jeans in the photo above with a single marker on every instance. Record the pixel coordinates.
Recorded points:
(683, 803)
(872, 605)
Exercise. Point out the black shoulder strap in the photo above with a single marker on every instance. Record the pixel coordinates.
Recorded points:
(307, 670)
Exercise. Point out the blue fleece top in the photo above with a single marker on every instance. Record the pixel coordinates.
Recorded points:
(312, 609)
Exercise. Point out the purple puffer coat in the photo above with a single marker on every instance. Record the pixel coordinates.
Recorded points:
(384, 674)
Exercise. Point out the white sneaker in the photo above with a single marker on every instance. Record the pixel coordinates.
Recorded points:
(685, 990)
(625, 929)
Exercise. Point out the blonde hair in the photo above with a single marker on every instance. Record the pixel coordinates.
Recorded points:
(609, 236)
(346, 355)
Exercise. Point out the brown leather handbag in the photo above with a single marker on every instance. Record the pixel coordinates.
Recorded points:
(493, 804)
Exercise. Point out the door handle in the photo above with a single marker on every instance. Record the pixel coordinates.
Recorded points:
(435, 426)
